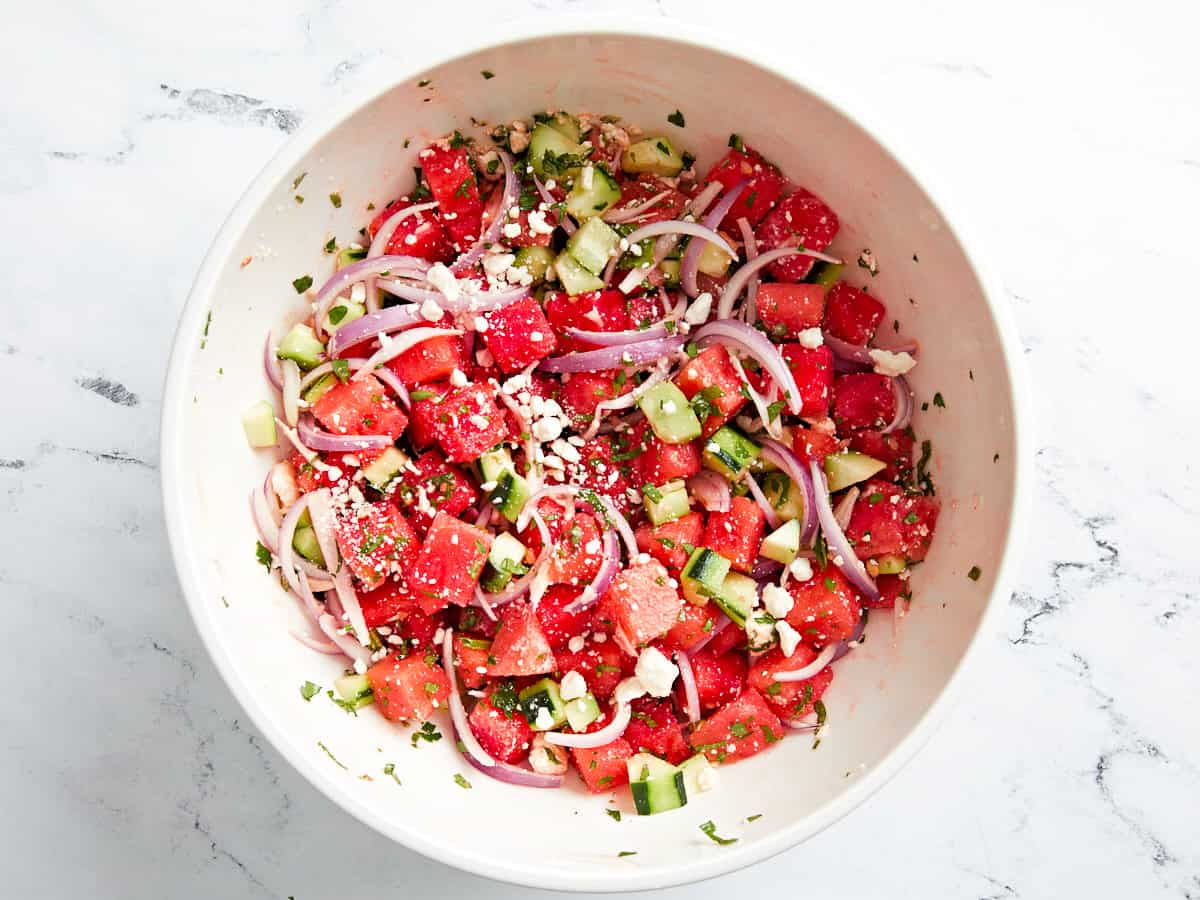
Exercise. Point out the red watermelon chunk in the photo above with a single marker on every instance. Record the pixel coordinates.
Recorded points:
(422, 430)
(817, 441)
(586, 390)
(603, 768)
(790, 699)
(557, 623)
(431, 486)
(801, 218)
(374, 540)
(641, 603)
(448, 566)
(501, 731)
(451, 180)
(419, 234)
(655, 462)
(594, 311)
(813, 371)
(360, 406)
(887, 520)
(598, 663)
(470, 656)
(719, 676)
(892, 588)
(468, 423)
(387, 602)
(894, 448)
(654, 729)
(788, 309)
(576, 556)
(851, 314)
(408, 688)
(712, 371)
(739, 729)
(863, 400)
(666, 543)
(765, 184)
(736, 533)
(520, 646)
(518, 334)
(694, 624)
(430, 360)
(826, 609)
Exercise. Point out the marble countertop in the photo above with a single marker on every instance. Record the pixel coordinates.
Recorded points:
(1070, 130)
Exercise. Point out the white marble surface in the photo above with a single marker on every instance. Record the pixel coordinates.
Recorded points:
(1069, 130)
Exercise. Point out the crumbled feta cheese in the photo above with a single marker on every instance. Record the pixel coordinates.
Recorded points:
(538, 223)
(811, 338)
(544, 720)
(479, 421)
(573, 686)
(892, 364)
(706, 778)
(442, 279)
(576, 643)
(360, 667)
(628, 689)
(512, 230)
(458, 378)
(481, 324)
(566, 450)
(495, 264)
(431, 311)
(544, 760)
(586, 177)
(547, 429)
(697, 313)
(655, 672)
(789, 638)
(801, 569)
(536, 337)
(777, 601)
(759, 635)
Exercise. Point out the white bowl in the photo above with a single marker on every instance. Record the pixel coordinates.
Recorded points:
(887, 696)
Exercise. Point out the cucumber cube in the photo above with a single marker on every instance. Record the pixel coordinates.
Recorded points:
(703, 575)
(850, 467)
(385, 469)
(575, 278)
(543, 705)
(655, 156)
(535, 261)
(345, 311)
(355, 690)
(783, 543)
(656, 785)
(826, 274)
(737, 597)
(582, 712)
(548, 140)
(729, 451)
(259, 424)
(304, 542)
(891, 564)
(666, 503)
(586, 201)
(301, 346)
(319, 389)
(698, 774)
(593, 244)
(670, 414)
(506, 552)
(566, 125)
(713, 260)
(785, 498)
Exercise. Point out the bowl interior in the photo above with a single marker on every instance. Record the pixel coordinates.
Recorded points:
(882, 691)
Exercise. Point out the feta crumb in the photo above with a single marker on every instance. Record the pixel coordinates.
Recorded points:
(431, 311)
(801, 569)
(544, 721)
(360, 667)
(586, 177)
(479, 421)
(458, 378)
(697, 313)
(759, 635)
(538, 223)
(547, 429)
(706, 778)
(512, 230)
(789, 638)
(655, 672)
(481, 324)
(545, 761)
(777, 601)
(442, 279)
(893, 364)
(629, 689)
(573, 686)
(536, 337)
(576, 643)
(495, 264)
(566, 450)
(811, 338)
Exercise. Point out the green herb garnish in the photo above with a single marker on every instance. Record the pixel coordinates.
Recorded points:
(710, 831)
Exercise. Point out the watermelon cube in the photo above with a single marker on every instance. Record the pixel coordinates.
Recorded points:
(518, 334)
(448, 566)
(360, 406)
(408, 688)
(736, 533)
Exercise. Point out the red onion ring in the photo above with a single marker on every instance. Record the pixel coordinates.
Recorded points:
(835, 538)
(610, 564)
(765, 569)
(287, 554)
(679, 226)
(763, 504)
(702, 200)
(511, 191)
(750, 244)
(317, 439)
(406, 340)
(271, 363)
(320, 510)
(845, 507)
(268, 533)
(634, 354)
(458, 713)
(851, 642)
(691, 693)
(615, 338)
(514, 774)
(752, 341)
(860, 354)
(622, 402)
(360, 271)
(824, 658)
(386, 320)
(344, 642)
(691, 257)
(469, 302)
(743, 275)
(711, 490)
(613, 516)
(629, 213)
(565, 222)
(382, 238)
(720, 624)
(291, 391)
(325, 368)
(327, 647)
(349, 600)
(783, 458)
(904, 405)
(593, 739)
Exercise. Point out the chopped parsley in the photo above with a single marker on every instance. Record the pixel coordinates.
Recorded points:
(504, 698)
(487, 74)
(336, 199)
(739, 730)
(625, 853)
(427, 732)
(774, 409)
(560, 164)
(390, 769)
(302, 284)
(341, 367)
(263, 555)
(329, 753)
(735, 141)
(296, 181)
(652, 493)
(939, 401)
(924, 480)
(710, 831)
(692, 350)
(974, 573)
(462, 781)
(421, 394)
(753, 818)
(821, 551)
(676, 118)
(308, 690)
(331, 245)
(424, 82)
(614, 814)
(875, 498)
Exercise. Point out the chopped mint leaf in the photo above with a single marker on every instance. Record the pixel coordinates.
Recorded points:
(341, 367)
(263, 555)
(308, 690)
(614, 814)
(461, 781)
(974, 573)
(676, 118)
(336, 199)
(487, 74)
(329, 753)
(302, 284)
(939, 401)
(331, 245)
(710, 831)
(296, 181)
(735, 141)
(625, 853)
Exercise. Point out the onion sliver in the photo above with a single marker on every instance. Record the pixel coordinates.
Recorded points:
(458, 713)
(640, 353)
(316, 439)
(783, 458)
(824, 658)
(711, 490)
(511, 192)
(691, 257)
(752, 341)
(841, 554)
(271, 363)
(605, 735)
(391, 319)
(691, 693)
(345, 278)
(763, 503)
(743, 275)
(392, 347)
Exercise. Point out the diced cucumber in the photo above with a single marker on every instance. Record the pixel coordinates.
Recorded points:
(713, 260)
(850, 467)
(669, 414)
(355, 690)
(737, 597)
(670, 270)
(493, 580)
(582, 712)
(703, 574)
(575, 278)
(656, 785)
(318, 388)
(729, 451)
(345, 311)
(547, 139)
(826, 273)
(655, 156)
(698, 774)
(495, 462)
(593, 244)
(506, 552)
(301, 346)
(586, 202)
(565, 124)
(639, 254)
(259, 424)
(510, 494)
(783, 495)
(535, 261)
(667, 502)
(304, 542)
(783, 543)
(348, 256)
(891, 564)
(543, 695)
(385, 469)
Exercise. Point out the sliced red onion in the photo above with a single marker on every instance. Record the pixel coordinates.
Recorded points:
(783, 458)
(711, 490)
(611, 513)
(345, 643)
(774, 427)
(625, 401)
(327, 647)
(317, 439)
(387, 320)
(320, 510)
(841, 554)
(392, 380)
(743, 275)
(765, 569)
(691, 257)
(860, 354)
(702, 200)
(629, 213)
(763, 503)
(510, 774)
(467, 302)
(719, 624)
(516, 588)
(679, 226)
(904, 405)
(609, 565)
(271, 363)
(314, 375)
(382, 238)
(291, 391)
(615, 338)
(750, 244)
(268, 531)
(307, 597)
(565, 222)
(458, 713)
(691, 693)
(509, 197)
(636, 354)
(390, 348)
(342, 279)
(349, 598)
(287, 554)
(851, 642)
(752, 341)
(824, 658)
(591, 740)
(845, 507)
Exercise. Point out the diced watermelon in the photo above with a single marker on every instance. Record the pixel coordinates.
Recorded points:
(712, 371)
(419, 234)
(602, 471)
(472, 620)
(719, 677)
(738, 730)
(603, 768)
(654, 729)
(557, 623)
(468, 423)
(374, 540)
(666, 542)
(448, 173)
(360, 406)
(408, 688)
(894, 448)
(504, 733)
(585, 390)
(599, 664)
(518, 334)
(736, 533)
(642, 603)
(468, 660)
(386, 602)
(594, 311)
(801, 218)
(788, 309)
(825, 609)
(448, 566)
(851, 314)
(892, 588)
(694, 624)
(813, 371)
(863, 400)
(418, 629)
(790, 699)
(655, 462)
(308, 477)
(430, 360)
(520, 646)
(646, 309)
(887, 520)
(578, 553)
(729, 638)
(817, 441)
(422, 429)
(635, 191)
(764, 187)
(435, 486)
